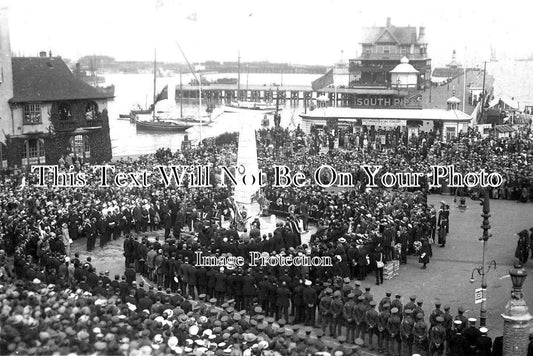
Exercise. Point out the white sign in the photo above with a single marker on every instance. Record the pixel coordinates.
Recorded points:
(384, 123)
(479, 295)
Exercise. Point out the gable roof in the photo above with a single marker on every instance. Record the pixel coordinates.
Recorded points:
(48, 79)
(404, 35)
(386, 36)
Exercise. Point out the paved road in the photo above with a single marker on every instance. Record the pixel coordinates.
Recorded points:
(448, 274)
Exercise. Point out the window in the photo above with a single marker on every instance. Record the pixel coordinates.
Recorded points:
(32, 114)
(64, 111)
(3, 156)
(91, 111)
(33, 152)
(80, 146)
(450, 133)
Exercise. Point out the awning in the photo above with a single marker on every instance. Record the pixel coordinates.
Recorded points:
(503, 128)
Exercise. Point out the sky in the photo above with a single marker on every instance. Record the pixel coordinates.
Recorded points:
(294, 31)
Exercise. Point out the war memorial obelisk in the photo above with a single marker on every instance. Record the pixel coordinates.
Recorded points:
(247, 170)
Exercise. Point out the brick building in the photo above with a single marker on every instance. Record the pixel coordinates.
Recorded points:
(46, 112)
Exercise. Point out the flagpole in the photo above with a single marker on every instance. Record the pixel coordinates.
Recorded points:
(155, 76)
(200, 104)
(464, 83)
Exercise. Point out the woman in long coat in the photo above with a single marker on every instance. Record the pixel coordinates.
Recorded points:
(424, 253)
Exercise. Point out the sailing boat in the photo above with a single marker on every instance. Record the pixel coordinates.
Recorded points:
(171, 113)
(158, 124)
(247, 106)
(493, 57)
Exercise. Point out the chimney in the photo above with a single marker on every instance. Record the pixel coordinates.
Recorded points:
(422, 34)
(42, 54)
(78, 70)
(388, 21)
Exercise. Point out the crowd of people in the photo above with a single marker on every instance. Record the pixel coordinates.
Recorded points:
(53, 302)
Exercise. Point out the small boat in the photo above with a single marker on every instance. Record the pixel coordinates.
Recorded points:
(124, 116)
(247, 106)
(140, 111)
(162, 126)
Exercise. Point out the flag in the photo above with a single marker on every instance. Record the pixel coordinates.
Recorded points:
(3, 139)
(162, 95)
(323, 81)
(192, 17)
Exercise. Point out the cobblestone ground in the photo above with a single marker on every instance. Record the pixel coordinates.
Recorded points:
(448, 274)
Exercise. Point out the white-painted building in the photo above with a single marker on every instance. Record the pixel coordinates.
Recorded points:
(404, 75)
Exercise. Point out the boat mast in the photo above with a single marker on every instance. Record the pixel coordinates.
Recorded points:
(239, 75)
(181, 95)
(155, 75)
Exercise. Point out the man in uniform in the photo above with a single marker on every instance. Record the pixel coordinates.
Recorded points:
(484, 343)
(411, 305)
(346, 289)
(298, 301)
(357, 291)
(324, 309)
(397, 303)
(437, 335)
(471, 333)
(461, 317)
(420, 332)
(435, 313)
(336, 314)
(383, 319)
(371, 321)
(309, 299)
(447, 324)
(406, 331)
(282, 301)
(393, 328)
(359, 318)
(368, 296)
(385, 300)
(348, 312)
(457, 345)
(418, 309)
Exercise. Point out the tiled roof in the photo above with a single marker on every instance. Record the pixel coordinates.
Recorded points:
(48, 79)
(404, 35)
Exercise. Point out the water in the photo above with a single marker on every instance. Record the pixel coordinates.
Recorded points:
(137, 89)
(512, 79)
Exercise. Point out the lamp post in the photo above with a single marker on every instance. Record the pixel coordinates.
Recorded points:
(516, 317)
(485, 226)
